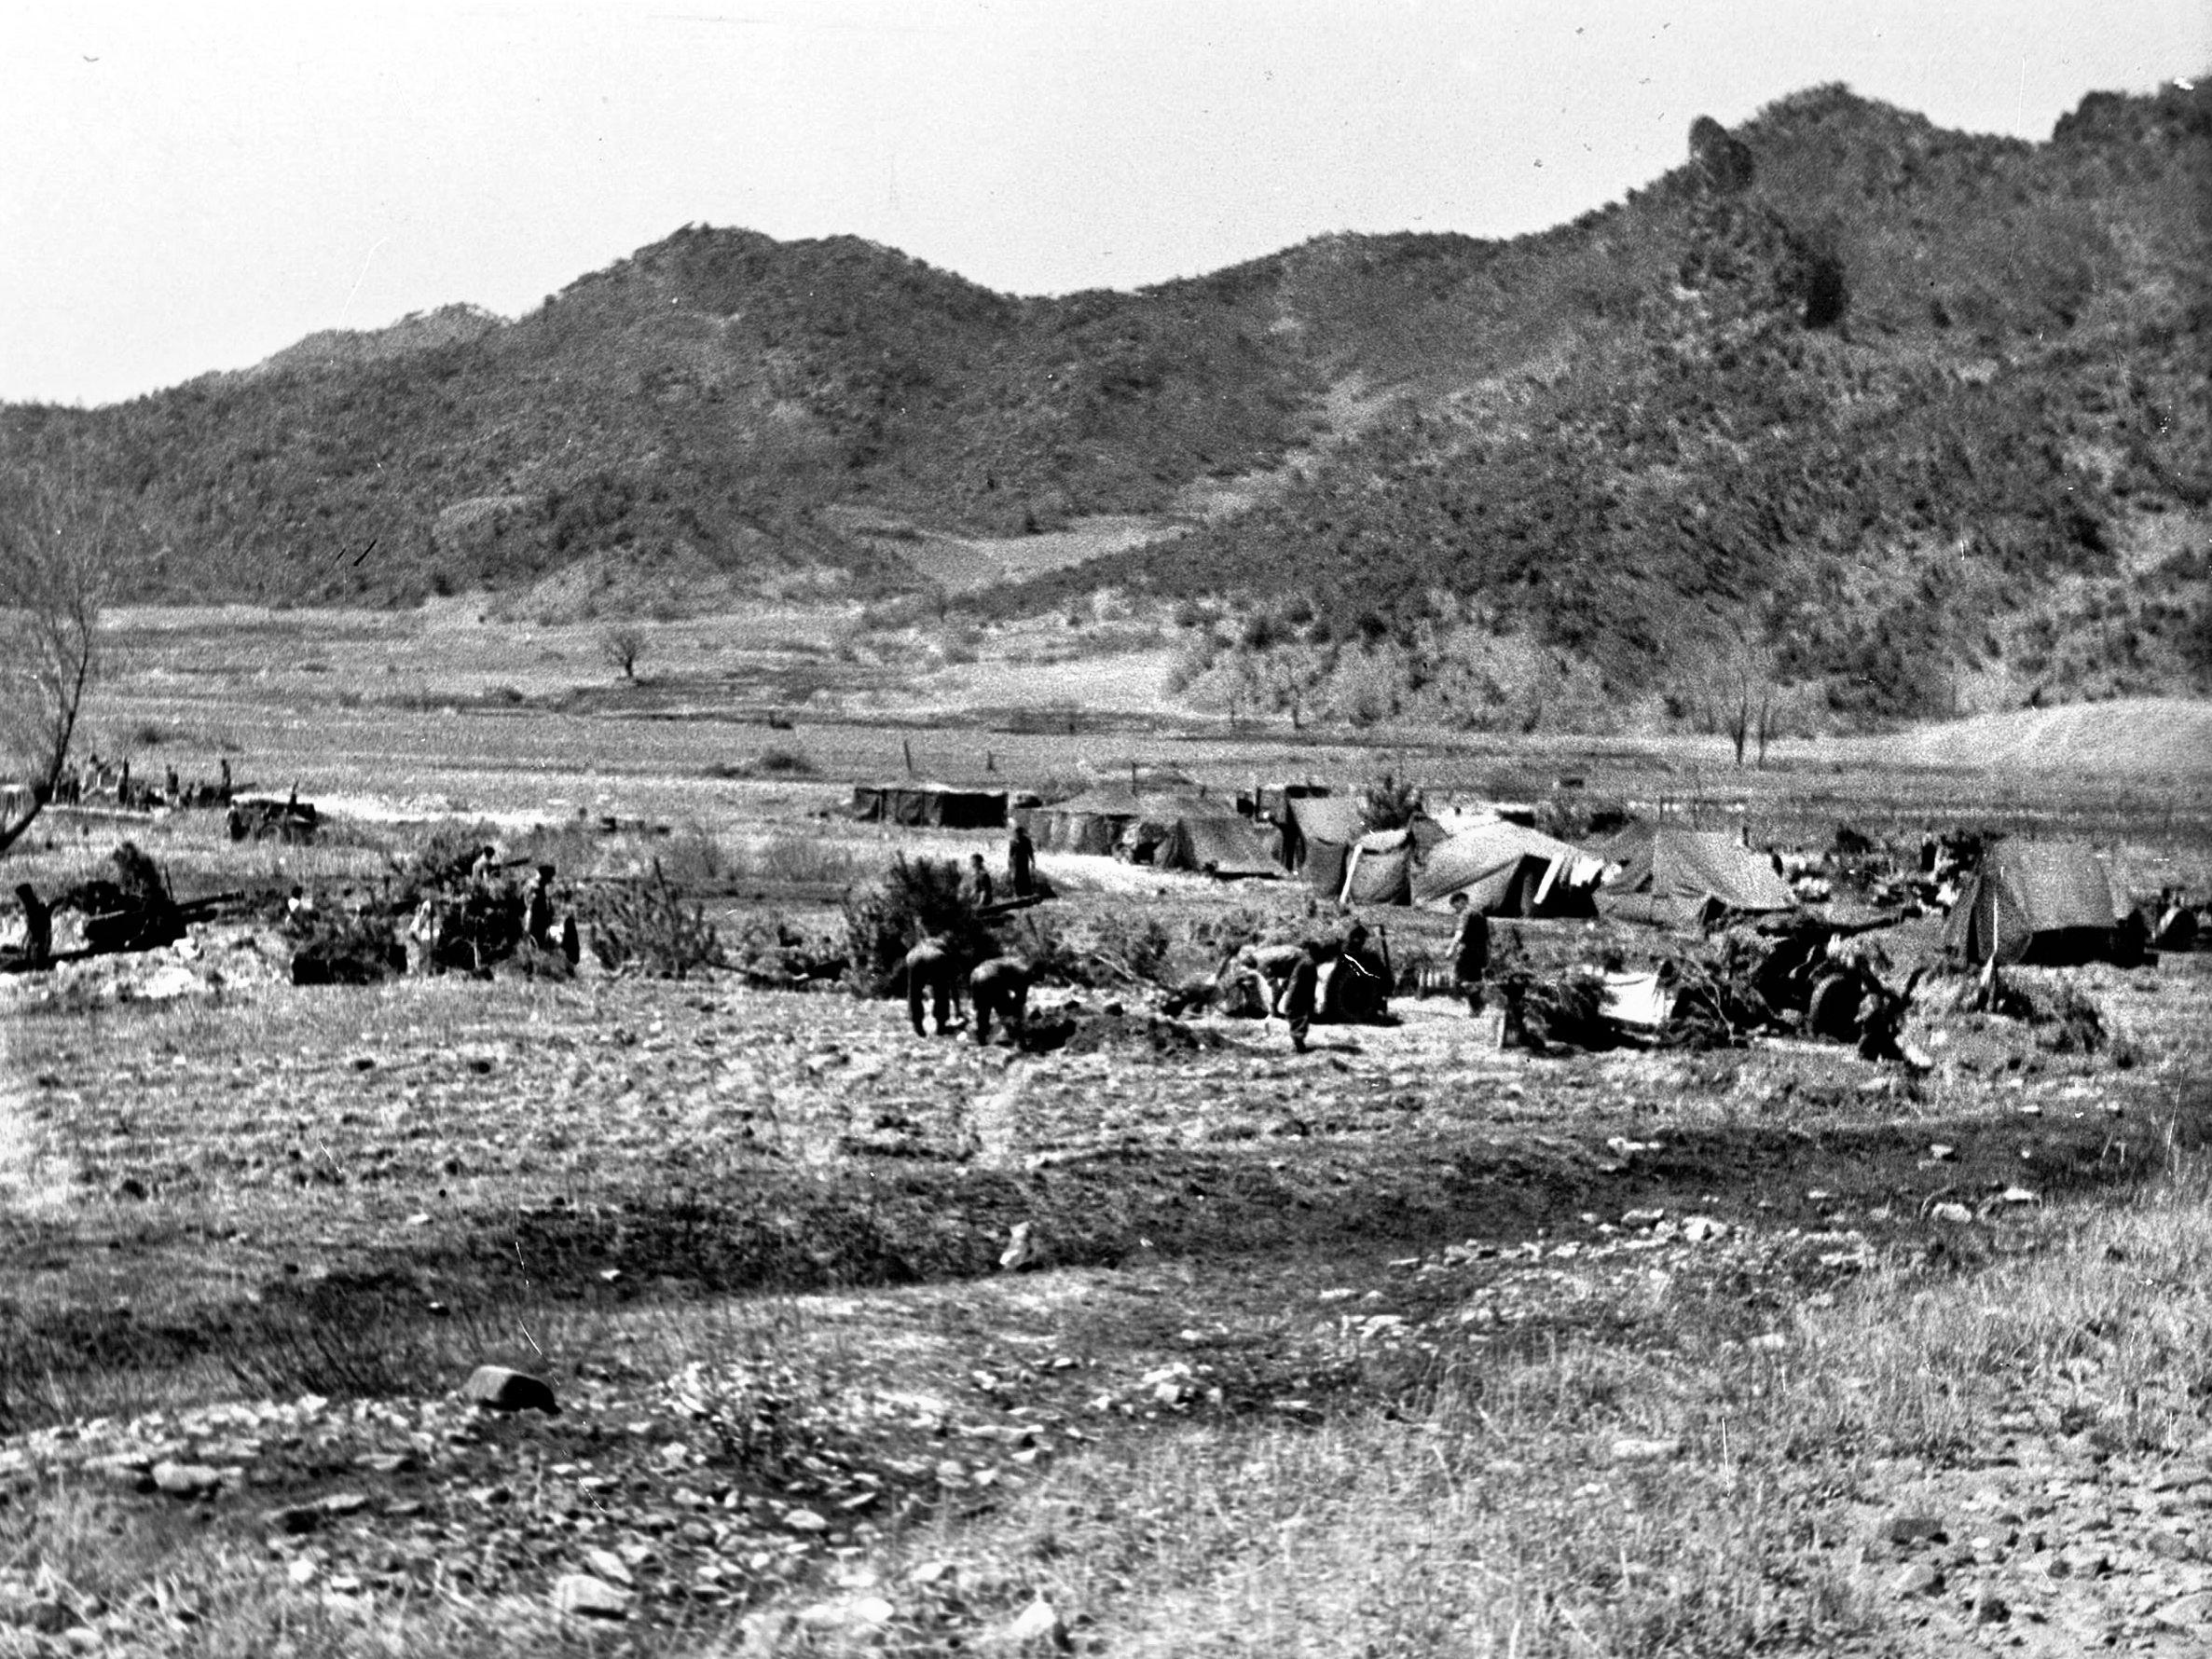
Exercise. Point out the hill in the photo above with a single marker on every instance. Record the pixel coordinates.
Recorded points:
(1888, 418)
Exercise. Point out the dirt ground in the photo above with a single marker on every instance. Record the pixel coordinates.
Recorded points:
(822, 1298)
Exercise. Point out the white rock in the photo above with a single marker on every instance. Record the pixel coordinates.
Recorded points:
(586, 1597)
(1634, 1448)
(610, 1566)
(1703, 1229)
(1038, 1623)
(1956, 1214)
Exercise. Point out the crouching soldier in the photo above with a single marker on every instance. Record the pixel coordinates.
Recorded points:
(931, 974)
(1000, 986)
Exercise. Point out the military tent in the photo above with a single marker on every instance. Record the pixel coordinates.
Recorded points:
(1318, 832)
(1682, 875)
(2038, 902)
(1380, 869)
(1218, 842)
(936, 806)
(1503, 869)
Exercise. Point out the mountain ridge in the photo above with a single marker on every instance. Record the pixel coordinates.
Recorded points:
(1744, 411)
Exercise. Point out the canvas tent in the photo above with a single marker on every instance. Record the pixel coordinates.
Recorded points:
(1681, 874)
(2038, 902)
(1218, 842)
(1503, 869)
(1317, 831)
(1380, 869)
(1092, 822)
(937, 806)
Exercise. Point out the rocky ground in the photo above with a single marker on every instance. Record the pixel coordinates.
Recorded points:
(814, 1295)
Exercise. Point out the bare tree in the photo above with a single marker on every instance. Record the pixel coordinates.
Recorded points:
(1730, 682)
(61, 548)
(623, 644)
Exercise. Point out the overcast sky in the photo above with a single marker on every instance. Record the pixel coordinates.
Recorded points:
(187, 187)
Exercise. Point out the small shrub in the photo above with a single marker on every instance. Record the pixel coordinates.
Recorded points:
(917, 897)
(782, 761)
(641, 926)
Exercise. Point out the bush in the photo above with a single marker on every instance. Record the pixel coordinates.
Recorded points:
(780, 762)
(642, 925)
(917, 897)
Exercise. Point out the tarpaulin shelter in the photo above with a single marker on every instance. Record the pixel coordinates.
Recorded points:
(2051, 902)
(1218, 842)
(936, 806)
(1682, 875)
(1380, 869)
(1316, 822)
(1092, 822)
(1503, 869)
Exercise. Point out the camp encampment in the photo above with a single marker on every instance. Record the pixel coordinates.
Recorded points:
(1504, 870)
(938, 806)
(2044, 902)
(1681, 876)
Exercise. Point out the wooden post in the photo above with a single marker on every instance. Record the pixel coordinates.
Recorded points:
(906, 744)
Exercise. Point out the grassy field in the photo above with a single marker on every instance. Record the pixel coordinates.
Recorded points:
(1408, 1345)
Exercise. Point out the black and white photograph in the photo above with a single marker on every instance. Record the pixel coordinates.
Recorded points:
(1247, 827)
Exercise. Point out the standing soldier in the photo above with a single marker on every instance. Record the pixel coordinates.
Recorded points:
(931, 973)
(425, 936)
(38, 925)
(1302, 994)
(1469, 951)
(537, 908)
(1020, 862)
(1000, 986)
(975, 886)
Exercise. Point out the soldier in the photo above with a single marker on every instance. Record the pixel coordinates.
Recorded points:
(931, 973)
(1243, 986)
(226, 764)
(424, 935)
(171, 790)
(975, 886)
(1020, 862)
(537, 908)
(1301, 995)
(38, 925)
(1000, 986)
(1469, 951)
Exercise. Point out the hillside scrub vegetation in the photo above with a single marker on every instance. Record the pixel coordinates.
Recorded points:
(1919, 412)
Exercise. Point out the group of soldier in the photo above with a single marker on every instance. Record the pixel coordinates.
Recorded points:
(93, 779)
(448, 933)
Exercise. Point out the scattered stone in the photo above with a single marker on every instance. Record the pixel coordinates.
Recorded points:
(1703, 1229)
(343, 1503)
(2187, 1613)
(294, 1519)
(1907, 1530)
(1919, 1579)
(186, 1480)
(1956, 1214)
(586, 1597)
(1040, 1623)
(1019, 1249)
(804, 1520)
(498, 1388)
(610, 1567)
(1990, 1608)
